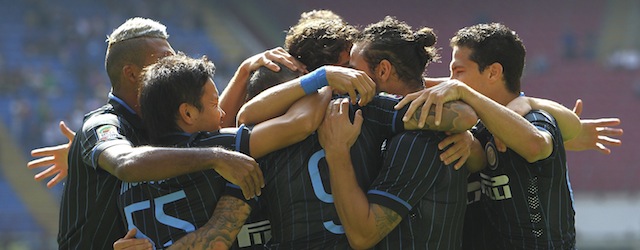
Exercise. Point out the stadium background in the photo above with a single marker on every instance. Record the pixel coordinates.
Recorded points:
(51, 69)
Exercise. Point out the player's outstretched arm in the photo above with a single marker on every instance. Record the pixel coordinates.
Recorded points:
(512, 129)
(276, 100)
(233, 96)
(300, 121)
(365, 224)
(222, 228)
(596, 134)
(54, 157)
(568, 121)
(157, 163)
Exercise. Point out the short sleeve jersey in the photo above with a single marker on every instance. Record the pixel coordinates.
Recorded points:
(298, 192)
(164, 211)
(429, 195)
(529, 205)
(89, 217)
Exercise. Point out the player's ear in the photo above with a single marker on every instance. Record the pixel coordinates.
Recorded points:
(383, 71)
(186, 113)
(495, 71)
(130, 73)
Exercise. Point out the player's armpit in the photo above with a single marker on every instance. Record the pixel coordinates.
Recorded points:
(221, 230)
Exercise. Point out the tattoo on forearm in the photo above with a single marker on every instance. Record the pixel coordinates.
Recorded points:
(221, 230)
(386, 220)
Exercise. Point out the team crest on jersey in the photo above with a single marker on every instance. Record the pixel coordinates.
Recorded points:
(492, 155)
(107, 132)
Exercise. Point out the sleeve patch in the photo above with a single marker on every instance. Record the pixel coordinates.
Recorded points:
(107, 132)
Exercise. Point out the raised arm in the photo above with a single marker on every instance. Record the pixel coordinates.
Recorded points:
(233, 96)
(302, 119)
(276, 100)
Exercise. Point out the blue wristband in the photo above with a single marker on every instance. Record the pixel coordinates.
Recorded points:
(314, 80)
(521, 93)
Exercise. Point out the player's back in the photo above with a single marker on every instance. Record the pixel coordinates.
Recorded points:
(89, 216)
(433, 194)
(298, 190)
(166, 210)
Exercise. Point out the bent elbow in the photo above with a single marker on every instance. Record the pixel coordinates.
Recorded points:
(539, 148)
(241, 118)
(361, 242)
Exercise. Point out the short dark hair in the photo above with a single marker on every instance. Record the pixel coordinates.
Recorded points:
(409, 52)
(319, 42)
(167, 84)
(264, 78)
(491, 43)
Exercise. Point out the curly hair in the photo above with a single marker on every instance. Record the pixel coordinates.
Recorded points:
(319, 15)
(409, 52)
(494, 43)
(319, 42)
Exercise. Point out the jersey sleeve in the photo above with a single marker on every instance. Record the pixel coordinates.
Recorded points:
(99, 133)
(382, 116)
(236, 139)
(410, 167)
(543, 121)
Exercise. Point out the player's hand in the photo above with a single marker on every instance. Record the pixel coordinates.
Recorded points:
(269, 58)
(129, 242)
(241, 170)
(596, 134)
(55, 158)
(336, 131)
(459, 148)
(435, 96)
(353, 82)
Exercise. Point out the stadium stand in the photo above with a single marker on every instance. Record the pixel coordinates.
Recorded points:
(51, 65)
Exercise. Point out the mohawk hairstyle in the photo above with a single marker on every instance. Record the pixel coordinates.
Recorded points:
(137, 27)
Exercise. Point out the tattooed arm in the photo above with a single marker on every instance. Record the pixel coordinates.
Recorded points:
(221, 230)
(365, 223)
(457, 117)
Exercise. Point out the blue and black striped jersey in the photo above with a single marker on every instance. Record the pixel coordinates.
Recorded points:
(164, 211)
(429, 195)
(529, 205)
(89, 217)
(298, 192)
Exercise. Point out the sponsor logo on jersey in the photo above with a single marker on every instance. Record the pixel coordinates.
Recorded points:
(474, 192)
(256, 233)
(107, 132)
(496, 187)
